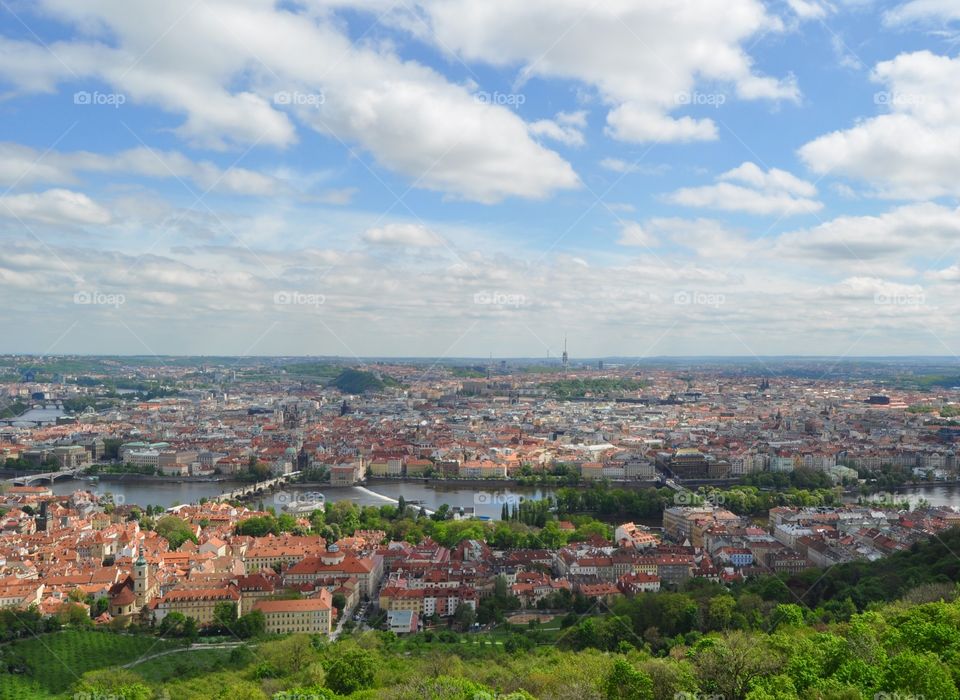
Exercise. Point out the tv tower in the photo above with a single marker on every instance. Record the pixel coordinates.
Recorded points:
(564, 357)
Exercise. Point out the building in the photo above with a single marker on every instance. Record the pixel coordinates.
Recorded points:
(402, 621)
(196, 603)
(335, 563)
(689, 463)
(308, 615)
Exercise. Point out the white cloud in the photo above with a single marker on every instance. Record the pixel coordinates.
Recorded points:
(809, 9)
(639, 124)
(707, 238)
(235, 83)
(56, 206)
(566, 127)
(23, 165)
(898, 235)
(633, 234)
(619, 165)
(412, 235)
(650, 53)
(913, 151)
(748, 188)
(923, 11)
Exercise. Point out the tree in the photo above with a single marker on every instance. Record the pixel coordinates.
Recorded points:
(175, 531)
(339, 602)
(919, 675)
(250, 625)
(224, 616)
(464, 616)
(624, 682)
(788, 615)
(291, 655)
(190, 628)
(350, 670)
(729, 665)
(720, 612)
(113, 683)
(172, 624)
(74, 615)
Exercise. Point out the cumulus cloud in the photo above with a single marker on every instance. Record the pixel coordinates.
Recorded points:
(900, 234)
(566, 127)
(913, 150)
(652, 52)
(923, 11)
(809, 9)
(24, 165)
(411, 235)
(234, 83)
(748, 188)
(56, 206)
(633, 234)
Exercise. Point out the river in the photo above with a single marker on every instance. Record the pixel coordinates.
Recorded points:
(487, 500)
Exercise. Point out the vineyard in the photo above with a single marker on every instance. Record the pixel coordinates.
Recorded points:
(46, 666)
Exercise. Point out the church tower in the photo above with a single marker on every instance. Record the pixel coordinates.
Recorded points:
(141, 580)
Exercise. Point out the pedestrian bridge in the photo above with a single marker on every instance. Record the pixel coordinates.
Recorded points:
(32, 479)
(259, 487)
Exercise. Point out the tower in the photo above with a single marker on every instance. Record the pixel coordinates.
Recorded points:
(564, 357)
(141, 579)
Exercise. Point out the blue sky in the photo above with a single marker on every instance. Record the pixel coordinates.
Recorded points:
(463, 178)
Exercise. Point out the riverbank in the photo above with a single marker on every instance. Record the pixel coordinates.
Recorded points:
(501, 483)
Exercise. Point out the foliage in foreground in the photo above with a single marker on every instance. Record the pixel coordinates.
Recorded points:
(901, 649)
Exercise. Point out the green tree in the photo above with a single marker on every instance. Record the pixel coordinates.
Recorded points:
(339, 602)
(624, 682)
(464, 616)
(919, 675)
(349, 670)
(225, 616)
(175, 530)
(729, 665)
(113, 683)
(250, 625)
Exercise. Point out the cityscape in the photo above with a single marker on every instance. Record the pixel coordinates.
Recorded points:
(479, 350)
(504, 501)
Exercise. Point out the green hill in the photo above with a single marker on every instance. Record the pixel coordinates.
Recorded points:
(355, 381)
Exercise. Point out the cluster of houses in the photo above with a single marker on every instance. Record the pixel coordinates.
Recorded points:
(58, 551)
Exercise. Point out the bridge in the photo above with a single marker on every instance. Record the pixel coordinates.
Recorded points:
(257, 488)
(30, 479)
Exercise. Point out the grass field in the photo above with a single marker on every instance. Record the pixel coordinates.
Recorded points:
(189, 664)
(46, 666)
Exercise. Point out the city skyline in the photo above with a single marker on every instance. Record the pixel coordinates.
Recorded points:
(388, 180)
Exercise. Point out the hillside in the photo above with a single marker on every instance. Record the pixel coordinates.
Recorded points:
(355, 381)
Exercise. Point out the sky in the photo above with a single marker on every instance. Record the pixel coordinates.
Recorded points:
(465, 178)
